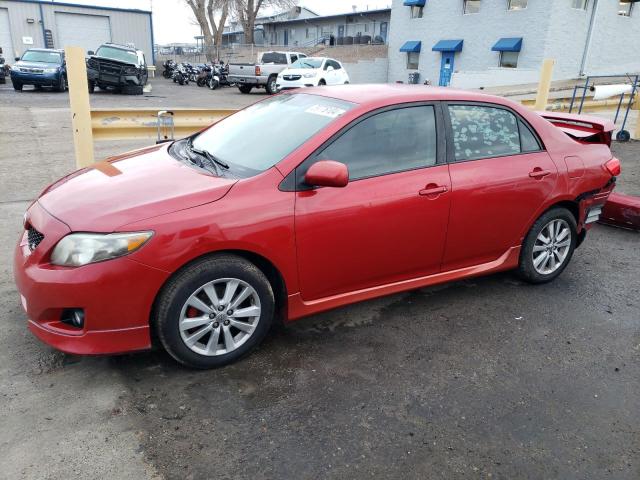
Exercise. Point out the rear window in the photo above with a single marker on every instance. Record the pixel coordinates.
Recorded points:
(274, 57)
(42, 57)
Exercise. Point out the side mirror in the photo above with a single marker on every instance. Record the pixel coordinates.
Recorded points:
(329, 68)
(17, 59)
(91, 52)
(327, 173)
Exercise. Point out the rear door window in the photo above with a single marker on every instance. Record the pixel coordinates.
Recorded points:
(481, 131)
(274, 57)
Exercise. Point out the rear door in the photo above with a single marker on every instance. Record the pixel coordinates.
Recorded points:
(500, 176)
(389, 223)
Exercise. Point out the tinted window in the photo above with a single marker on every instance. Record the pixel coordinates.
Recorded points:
(334, 64)
(387, 142)
(528, 141)
(274, 57)
(258, 137)
(294, 58)
(126, 56)
(481, 132)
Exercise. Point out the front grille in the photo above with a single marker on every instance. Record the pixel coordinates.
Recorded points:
(109, 68)
(34, 237)
(31, 70)
(292, 77)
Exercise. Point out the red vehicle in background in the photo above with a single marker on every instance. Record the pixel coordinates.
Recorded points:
(302, 203)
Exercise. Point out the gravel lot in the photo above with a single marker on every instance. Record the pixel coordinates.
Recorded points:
(485, 378)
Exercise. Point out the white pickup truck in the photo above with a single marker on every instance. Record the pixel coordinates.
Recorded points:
(263, 74)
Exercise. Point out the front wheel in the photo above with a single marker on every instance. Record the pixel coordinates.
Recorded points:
(213, 84)
(62, 84)
(17, 86)
(92, 86)
(214, 312)
(548, 247)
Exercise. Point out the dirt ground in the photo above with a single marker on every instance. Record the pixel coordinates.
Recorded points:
(484, 378)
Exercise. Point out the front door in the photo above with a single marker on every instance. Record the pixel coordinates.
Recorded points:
(446, 68)
(389, 223)
(500, 176)
(340, 31)
(383, 31)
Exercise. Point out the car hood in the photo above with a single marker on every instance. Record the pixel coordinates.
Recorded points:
(299, 71)
(131, 187)
(20, 63)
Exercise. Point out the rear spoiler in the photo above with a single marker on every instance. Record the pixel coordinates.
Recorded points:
(583, 128)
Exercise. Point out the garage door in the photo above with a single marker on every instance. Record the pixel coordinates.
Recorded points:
(86, 31)
(5, 36)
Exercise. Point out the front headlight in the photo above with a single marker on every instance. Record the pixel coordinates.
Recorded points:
(50, 70)
(79, 249)
(15, 68)
(309, 75)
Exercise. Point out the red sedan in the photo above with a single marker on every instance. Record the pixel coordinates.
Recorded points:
(301, 203)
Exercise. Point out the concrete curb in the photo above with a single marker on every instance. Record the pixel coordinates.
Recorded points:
(622, 211)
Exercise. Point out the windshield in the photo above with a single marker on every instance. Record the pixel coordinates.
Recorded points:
(307, 63)
(43, 57)
(118, 54)
(258, 137)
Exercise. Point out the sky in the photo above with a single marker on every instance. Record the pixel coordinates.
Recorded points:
(173, 20)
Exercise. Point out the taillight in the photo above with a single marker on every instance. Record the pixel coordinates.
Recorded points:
(613, 166)
(258, 71)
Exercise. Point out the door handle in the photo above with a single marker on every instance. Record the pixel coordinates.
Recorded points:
(433, 189)
(539, 173)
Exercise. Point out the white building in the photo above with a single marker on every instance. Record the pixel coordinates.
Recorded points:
(474, 43)
(43, 24)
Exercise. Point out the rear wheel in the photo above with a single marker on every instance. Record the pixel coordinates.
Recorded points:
(549, 246)
(245, 88)
(272, 85)
(214, 312)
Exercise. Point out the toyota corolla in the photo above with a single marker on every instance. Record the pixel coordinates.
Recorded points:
(301, 203)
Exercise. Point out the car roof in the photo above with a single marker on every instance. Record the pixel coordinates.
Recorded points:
(57, 50)
(392, 93)
(120, 46)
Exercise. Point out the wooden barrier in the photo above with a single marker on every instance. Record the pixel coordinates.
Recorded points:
(79, 102)
(545, 84)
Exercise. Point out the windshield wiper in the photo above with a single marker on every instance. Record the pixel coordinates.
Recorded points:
(212, 160)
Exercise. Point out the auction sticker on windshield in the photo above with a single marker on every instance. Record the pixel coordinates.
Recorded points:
(325, 111)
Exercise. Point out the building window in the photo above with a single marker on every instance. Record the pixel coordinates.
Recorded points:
(625, 8)
(413, 60)
(517, 4)
(471, 6)
(509, 59)
(417, 11)
(580, 4)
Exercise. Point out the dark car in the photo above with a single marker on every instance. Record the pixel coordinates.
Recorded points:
(119, 66)
(3, 69)
(40, 67)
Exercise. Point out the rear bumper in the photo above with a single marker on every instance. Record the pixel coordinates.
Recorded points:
(247, 80)
(622, 211)
(591, 205)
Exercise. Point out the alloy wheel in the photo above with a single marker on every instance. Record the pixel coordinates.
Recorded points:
(552, 246)
(219, 316)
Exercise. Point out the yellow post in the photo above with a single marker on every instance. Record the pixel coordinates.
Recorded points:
(80, 108)
(545, 84)
(636, 135)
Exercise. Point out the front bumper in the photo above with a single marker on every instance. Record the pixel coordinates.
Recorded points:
(112, 80)
(42, 79)
(283, 84)
(116, 295)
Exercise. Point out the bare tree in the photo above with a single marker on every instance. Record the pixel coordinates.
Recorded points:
(206, 12)
(246, 11)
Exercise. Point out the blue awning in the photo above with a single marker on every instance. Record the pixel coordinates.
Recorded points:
(508, 45)
(411, 46)
(448, 46)
(414, 3)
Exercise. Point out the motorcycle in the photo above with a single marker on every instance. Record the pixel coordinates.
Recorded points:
(219, 77)
(204, 76)
(181, 74)
(169, 67)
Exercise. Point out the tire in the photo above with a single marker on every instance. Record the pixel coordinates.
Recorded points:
(322, 83)
(102, 87)
(92, 86)
(623, 136)
(534, 267)
(214, 84)
(62, 84)
(272, 85)
(17, 86)
(132, 90)
(245, 88)
(201, 82)
(171, 310)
